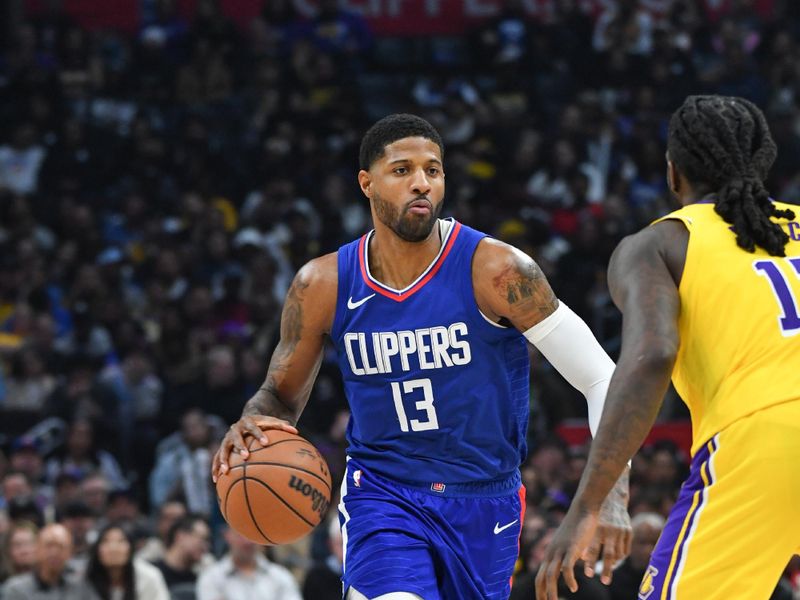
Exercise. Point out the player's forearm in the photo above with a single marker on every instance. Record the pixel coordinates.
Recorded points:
(634, 398)
(589, 370)
(267, 402)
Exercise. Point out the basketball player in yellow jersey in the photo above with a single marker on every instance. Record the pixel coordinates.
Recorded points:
(711, 295)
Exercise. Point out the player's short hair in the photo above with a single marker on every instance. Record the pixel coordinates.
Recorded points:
(723, 143)
(390, 129)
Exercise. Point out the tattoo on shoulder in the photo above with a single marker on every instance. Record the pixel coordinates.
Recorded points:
(525, 288)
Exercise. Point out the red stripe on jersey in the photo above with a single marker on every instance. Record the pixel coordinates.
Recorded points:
(432, 270)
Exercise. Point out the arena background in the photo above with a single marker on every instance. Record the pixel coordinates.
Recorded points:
(166, 167)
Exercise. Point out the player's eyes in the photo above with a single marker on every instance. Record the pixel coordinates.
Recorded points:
(401, 170)
(433, 171)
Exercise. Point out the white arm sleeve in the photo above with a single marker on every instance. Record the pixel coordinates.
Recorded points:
(568, 343)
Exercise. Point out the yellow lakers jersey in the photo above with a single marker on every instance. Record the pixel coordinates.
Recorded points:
(739, 323)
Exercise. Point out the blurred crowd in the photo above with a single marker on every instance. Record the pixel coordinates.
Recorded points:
(159, 190)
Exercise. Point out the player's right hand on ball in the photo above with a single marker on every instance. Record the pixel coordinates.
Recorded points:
(234, 440)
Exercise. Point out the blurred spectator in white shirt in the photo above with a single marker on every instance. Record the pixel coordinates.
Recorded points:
(245, 573)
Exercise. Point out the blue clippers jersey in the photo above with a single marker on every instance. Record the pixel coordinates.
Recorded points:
(437, 392)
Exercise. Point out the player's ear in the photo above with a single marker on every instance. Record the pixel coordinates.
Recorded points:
(673, 178)
(364, 182)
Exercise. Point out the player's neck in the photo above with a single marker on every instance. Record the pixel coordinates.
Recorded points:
(397, 263)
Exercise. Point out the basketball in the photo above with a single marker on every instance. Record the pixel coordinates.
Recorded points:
(280, 493)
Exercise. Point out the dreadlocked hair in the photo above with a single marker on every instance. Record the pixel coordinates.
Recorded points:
(724, 143)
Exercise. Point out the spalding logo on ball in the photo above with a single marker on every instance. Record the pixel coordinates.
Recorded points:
(280, 493)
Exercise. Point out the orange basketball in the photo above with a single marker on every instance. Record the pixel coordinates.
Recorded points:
(280, 493)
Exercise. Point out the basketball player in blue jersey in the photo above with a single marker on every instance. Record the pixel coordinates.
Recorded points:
(710, 297)
(429, 319)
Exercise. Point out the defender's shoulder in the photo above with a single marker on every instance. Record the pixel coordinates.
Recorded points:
(664, 242)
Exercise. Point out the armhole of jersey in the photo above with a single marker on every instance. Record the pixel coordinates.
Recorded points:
(685, 219)
(689, 262)
(342, 285)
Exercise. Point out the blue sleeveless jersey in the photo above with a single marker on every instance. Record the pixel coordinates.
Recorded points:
(437, 392)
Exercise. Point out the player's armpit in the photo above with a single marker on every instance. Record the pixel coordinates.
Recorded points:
(510, 285)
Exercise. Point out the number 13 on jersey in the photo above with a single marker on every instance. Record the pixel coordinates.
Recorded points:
(408, 389)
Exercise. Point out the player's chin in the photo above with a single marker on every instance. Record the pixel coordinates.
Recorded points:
(416, 227)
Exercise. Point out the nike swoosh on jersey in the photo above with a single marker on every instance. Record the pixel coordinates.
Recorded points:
(498, 529)
(351, 305)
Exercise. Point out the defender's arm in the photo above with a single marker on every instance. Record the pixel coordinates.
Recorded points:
(642, 284)
(644, 275)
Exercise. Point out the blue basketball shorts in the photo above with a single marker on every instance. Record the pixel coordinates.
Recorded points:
(441, 542)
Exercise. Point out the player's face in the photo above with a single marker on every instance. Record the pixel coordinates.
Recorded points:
(406, 187)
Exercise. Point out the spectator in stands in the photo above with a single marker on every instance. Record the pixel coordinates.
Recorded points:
(113, 572)
(67, 488)
(21, 160)
(80, 520)
(30, 384)
(665, 465)
(95, 489)
(26, 458)
(168, 514)
(80, 454)
(88, 337)
(624, 26)
(182, 469)
(50, 578)
(342, 33)
(505, 38)
(188, 541)
(19, 550)
(25, 508)
(134, 393)
(627, 576)
(323, 580)
(245, 573)
(123, 508)
(15, 484)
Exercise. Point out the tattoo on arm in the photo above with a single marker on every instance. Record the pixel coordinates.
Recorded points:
(266, 400)
(525, 288)
(292, 317)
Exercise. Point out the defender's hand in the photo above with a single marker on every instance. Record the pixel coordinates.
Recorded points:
(614, 535)
(254, 425)
(571, 540)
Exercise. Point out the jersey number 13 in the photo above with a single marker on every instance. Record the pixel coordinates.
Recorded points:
(407, 388)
